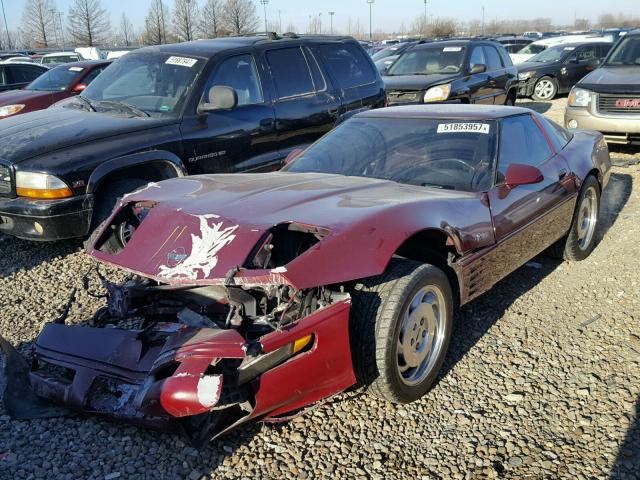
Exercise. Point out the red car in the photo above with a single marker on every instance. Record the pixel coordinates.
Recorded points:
(54, 85)
(252, 296)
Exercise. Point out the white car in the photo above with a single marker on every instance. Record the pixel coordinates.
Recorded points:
(536, 47)
(58, 58)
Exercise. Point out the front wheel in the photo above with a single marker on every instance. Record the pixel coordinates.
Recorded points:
(400, 329)
(546, 89)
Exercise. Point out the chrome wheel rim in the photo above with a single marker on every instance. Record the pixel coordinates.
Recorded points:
(587, 218)
(421, 335)
(544, 89)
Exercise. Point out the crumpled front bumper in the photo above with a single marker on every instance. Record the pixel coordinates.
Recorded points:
(155, 378)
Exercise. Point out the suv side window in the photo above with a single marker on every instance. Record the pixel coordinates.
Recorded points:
(22, 74)
(3, 77)
(290, 72)
(241, 74)
(516, 132)
(94, 73)
(477, 57)
(492, 57)
(348, 65)
(603, 50)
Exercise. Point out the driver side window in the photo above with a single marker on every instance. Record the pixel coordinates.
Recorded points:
(477, 57)
(241, 74)
(521, 141)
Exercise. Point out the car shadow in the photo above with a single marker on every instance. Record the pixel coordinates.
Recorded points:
(20, 254)
(627, 463)
(540, 107)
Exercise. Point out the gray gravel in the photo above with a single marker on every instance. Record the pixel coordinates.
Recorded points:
(542, 381)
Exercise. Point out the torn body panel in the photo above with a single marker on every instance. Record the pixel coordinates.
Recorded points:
(175, 356)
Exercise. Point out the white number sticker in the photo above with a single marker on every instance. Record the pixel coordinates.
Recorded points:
(181, 61)
(463, 127)
(75, 69)
(452, 49)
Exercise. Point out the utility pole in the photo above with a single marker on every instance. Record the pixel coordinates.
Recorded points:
(370, 2)
(331, 14)
(280, 20)
(483, 20)
(264, 5)
(5, 25)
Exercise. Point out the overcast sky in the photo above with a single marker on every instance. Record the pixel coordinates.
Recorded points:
(388, 15)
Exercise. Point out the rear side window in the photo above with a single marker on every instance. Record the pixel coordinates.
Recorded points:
(23, 74)
(492, 57)
(348, 65)
(521, 141)
(559, 136)
(290, 72)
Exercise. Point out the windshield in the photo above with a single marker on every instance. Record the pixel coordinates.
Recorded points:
(150, 82)
(59, 59)
(627, 52)
(384, 53)
(447, 154)
(56, 80)
(428, 61)
(532, 49)
(553, 54)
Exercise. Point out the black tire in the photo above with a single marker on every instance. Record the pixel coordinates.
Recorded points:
(510, 101)
(581, 239)
(545, 90)
(106, 199)
(379, 305)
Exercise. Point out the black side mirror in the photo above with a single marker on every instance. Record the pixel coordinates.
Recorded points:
(220, 97)
(478, 68)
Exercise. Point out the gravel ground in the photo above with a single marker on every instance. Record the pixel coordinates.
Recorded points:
(542, 381)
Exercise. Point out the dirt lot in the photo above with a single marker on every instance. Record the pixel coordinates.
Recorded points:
(542, 381)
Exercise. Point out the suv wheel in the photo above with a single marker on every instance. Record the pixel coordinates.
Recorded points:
(546, 89)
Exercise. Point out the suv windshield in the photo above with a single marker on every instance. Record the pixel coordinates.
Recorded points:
(440, 153)
(627, 52)
(429, 60)
(56, 80)
(150, 83)
(532, 49)
(552, 54)
(59, 59)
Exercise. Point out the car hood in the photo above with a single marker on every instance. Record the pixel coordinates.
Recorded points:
(416, 82)
(529, 66)
(613, 80)
(45, 131)
(13, 97)
(200, 228)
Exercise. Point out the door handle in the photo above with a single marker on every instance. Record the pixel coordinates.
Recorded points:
(266, 123)
(562, 174)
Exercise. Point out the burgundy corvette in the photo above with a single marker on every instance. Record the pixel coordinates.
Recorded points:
(57, 84)
(252, 296)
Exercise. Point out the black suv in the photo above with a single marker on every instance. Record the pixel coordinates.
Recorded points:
(208, 106)
(18, 75)
(462, 71)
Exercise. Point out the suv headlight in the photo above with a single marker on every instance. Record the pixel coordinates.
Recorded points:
(41, 185)
(10, 109)
(526, 75)
(579, 97)
(437, 94)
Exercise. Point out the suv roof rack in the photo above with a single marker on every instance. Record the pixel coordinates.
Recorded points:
(269, 35)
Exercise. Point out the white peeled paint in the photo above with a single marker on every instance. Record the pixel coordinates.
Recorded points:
(204, 250)
(208, 391)
(279, 270)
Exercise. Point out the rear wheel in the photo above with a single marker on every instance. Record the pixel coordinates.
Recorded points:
(581, 239)
(546, 89)
(400, 329)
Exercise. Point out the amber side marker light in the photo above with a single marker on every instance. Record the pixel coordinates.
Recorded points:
(41, 186)
(302, 342)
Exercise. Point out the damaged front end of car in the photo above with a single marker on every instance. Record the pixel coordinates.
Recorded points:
(182, 348)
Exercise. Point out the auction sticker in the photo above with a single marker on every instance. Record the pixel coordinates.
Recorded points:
(181, 61)
(76, 69)
(463, 128)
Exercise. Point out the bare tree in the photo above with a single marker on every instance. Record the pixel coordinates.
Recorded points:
(38, 22)
(88, 22)
(185, 17)
(582, 24)
(606, 20)
(126, 30)
(155, 24)
(240, 16)
(211, 24)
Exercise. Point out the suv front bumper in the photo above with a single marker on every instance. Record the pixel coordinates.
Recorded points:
(46, 219)
(617, 128)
